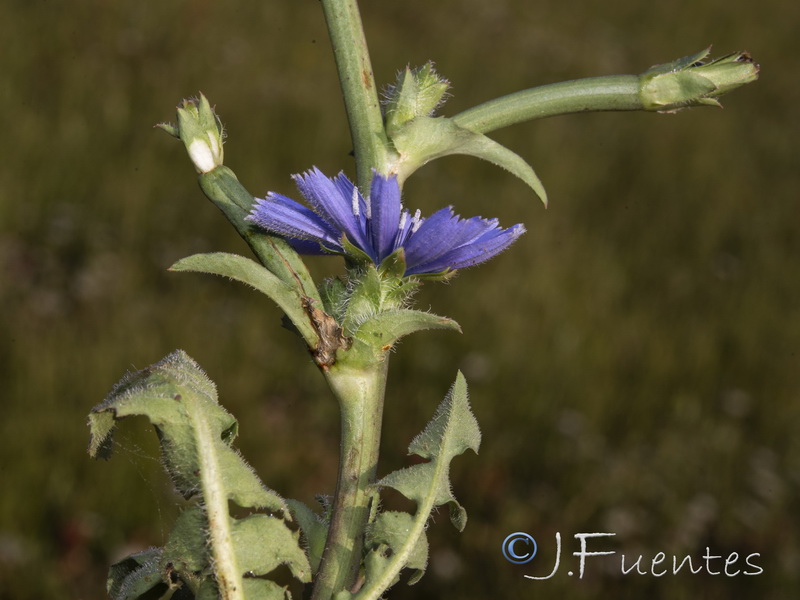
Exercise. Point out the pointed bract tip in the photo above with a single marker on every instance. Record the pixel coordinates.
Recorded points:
(169, 128)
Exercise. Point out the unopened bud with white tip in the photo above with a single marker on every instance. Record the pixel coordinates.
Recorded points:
(201, 132)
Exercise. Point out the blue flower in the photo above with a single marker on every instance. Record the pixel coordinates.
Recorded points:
(339, 216)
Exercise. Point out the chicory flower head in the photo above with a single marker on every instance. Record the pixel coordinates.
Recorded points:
(340, 218)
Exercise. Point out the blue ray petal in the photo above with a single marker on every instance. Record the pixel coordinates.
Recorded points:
(384, 219)
(482, 249)
(288, 218)
(327, 200)
(432, 239)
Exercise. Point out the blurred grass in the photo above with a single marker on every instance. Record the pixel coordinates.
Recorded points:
(633, 361)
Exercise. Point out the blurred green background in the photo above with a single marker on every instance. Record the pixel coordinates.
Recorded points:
(633, 360)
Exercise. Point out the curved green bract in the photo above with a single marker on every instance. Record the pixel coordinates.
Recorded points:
(427, 138)
(386, 328)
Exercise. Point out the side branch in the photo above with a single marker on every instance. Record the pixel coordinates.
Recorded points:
(688, 81)
(617, 92)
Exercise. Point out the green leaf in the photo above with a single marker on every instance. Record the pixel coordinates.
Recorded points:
(170, 129)
(196, 434)
(263, 543)
(251, 273)
(135, 575)
(374, 319)
(186, 550)
(672, 90)
(208, 590)
(427, 138)
(334, 297)
(373, 305)
(402, 104)
(315, 531)
(353, 253)
(386, 537)
(452, 431)
(181, 402)
(394, 265)
(385, 328)
(264, 589)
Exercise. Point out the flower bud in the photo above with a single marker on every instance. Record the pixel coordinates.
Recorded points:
(417, 93)
(201, 131)
(691, 82)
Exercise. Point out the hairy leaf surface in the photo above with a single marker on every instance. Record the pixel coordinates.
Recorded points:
(208, 551)
(452, 430)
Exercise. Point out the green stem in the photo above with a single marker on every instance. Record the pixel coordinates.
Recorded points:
(359, 389)
(370, 144)
(223, 188)
(360, 392)
(615, 92)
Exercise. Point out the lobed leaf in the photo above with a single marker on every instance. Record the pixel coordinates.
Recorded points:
(177, 397)
(208, 550)
(399, 539)
(453, 430)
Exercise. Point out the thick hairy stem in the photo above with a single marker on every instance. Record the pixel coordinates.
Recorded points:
(360, 393)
